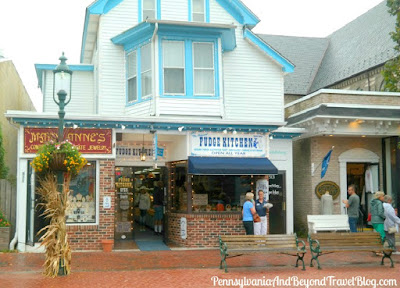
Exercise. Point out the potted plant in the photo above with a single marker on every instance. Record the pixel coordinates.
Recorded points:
(58, 156)
(4, 232)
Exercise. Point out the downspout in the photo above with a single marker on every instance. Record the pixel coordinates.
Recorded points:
(154, 69)
(14, 241)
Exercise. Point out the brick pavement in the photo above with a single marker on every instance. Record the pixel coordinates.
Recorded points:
(188, 268)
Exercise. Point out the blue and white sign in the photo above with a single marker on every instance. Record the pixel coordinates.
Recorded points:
(224, 145)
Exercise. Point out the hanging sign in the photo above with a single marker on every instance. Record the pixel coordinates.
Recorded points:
(224, 145)
(88, 141)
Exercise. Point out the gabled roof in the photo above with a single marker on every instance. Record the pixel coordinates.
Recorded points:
(287, 66)
(361, 45)
(305, 53)
(236, 8)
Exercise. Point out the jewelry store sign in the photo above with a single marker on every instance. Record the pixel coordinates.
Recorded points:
(88, 141)
(221, 145)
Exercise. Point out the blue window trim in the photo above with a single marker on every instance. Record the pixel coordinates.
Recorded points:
(189, 80)
(206, 11)
(140, 10)
(138, 77)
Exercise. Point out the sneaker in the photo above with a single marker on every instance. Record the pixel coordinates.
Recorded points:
(396, 253)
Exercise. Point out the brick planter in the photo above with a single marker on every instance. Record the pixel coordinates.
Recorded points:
(4, 237)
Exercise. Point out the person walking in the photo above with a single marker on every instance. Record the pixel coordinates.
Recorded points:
(352, 205)
(158, 205)
(144, 205)
(260, 228)
(378, 214)
(248, 212)
(391, 221)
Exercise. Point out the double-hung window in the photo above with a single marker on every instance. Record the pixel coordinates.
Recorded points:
(146, 70)
(149, 9)
(198, 10)
(139, 74)
(132, 76)
(203, 68)
(174, 67)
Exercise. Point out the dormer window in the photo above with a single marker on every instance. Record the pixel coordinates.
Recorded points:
(149, 9)
(198, 10)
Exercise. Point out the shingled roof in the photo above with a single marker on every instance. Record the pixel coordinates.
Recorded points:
(360, 45)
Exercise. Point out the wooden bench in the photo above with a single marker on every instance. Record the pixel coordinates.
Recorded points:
(330, 223)
(277, 243)
(326, 243)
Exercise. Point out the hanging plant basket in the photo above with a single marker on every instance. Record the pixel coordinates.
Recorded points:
(57, 162)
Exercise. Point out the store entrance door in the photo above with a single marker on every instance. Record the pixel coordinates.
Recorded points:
(277, 197)
(135, 221)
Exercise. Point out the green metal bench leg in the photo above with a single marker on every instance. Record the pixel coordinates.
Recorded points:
(223, 260)
(315, 257)
(301, 259)
(385, 255)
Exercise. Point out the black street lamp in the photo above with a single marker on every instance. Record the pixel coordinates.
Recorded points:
(62, 80)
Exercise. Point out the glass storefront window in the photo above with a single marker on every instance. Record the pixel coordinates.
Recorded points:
(210, 193)
(82, 196)
(178, 184)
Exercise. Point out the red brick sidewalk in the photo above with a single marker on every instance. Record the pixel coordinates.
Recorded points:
(192, 269)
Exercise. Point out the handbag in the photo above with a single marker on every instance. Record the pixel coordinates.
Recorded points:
(256, 218)
(392, 230)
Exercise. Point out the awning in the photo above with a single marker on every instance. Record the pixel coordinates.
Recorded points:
(230, 166)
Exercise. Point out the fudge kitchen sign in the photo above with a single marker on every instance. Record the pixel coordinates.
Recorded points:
(225, 145)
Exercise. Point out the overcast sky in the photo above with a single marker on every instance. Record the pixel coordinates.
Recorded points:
(38, 31)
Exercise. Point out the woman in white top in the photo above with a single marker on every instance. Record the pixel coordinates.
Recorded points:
(391, 220)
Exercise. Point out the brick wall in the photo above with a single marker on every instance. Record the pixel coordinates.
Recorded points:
(88, 237)
(203, 229)
(307, 151)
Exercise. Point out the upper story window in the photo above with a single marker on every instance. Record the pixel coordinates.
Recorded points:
(131, 76)
(139, 74)
(189, 68)
(198, 10)
(174, 67)
(149, 9)
(203, 68)
(146, 70)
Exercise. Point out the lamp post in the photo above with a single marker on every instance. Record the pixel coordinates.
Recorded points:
(62, 79)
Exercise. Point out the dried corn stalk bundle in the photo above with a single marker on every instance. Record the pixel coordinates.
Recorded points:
(55, 239)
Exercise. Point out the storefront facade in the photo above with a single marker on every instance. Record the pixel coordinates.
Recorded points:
(182, 86)
(201, 201)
